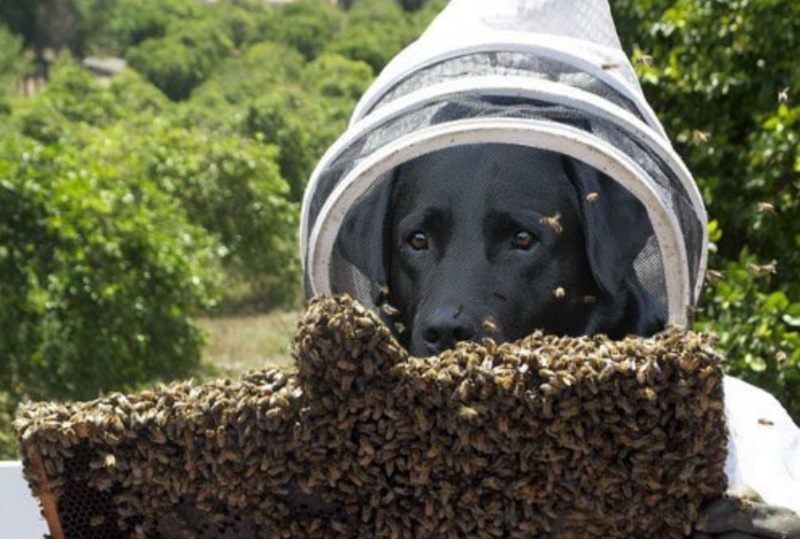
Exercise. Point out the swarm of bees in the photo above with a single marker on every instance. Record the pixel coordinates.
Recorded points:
(558, 437)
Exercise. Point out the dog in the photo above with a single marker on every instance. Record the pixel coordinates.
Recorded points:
(499, 240)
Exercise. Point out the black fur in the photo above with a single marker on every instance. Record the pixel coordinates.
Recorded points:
(470, 202)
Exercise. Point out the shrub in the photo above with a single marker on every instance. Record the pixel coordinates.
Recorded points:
(279, 118)
(232, 187)
(13, 66)
(261, 69)
(375, 31)
(100, 273)
(718, 76)
(335, 76)
(75, 95)
(307, 25)
(127, 23)
(181, 61)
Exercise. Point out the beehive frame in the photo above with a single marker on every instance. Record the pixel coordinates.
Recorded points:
(568, 437)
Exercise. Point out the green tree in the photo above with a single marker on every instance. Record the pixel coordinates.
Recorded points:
(100, 271)
(13, 66)
(113, 27)
(232, 187)
(181, 61)
(723, 77)
(374, 32)
(307, 25)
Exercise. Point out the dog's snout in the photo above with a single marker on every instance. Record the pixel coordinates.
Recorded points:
(446, 327)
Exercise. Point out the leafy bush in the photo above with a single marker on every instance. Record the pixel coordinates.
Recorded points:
(277, 119)
(13, 65)
(76, 95)
(759, 330)
(336, 77)
(307, 25)
(375, 31)
(261, 69)
(232, 187)
(723, 77)
(303, 122)
(7, 442)
(179, 62)
(100, 273)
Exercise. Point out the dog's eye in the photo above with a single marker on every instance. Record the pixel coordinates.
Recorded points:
(523, 240)
(418, 241)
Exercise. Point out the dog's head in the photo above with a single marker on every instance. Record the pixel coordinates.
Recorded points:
(500, 240)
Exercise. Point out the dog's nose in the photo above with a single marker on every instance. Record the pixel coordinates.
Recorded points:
(445, 327)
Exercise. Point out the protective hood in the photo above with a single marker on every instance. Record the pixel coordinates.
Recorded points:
(545, 74)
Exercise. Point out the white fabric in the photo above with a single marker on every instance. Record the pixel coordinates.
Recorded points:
(20, 517)
(764, 444)
(584, 27)
(581, 19)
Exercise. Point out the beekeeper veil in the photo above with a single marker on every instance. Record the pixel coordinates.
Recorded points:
(546, 74)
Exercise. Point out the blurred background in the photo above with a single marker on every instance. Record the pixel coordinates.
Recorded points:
(153, 154)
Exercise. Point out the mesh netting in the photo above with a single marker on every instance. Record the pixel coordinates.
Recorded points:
(365, 274)
(506, 64)
(557, 437)
(532, 68)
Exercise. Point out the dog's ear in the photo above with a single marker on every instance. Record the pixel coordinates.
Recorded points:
(615, 224)
(362, 240)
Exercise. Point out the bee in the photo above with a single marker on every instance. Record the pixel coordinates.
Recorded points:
(714, 276)
(760, 270)
(489, 326)
(592, 197)
(400, 328)
(609, 66)
(459, 309)
(465, 412)
(559, 293)
(589, 300)
(553, 222)
(765, 207)
(783, 96)
(699, 137)
(766, 422)
(384, 291)
(390, 311)
(781, 358)
(644, 59)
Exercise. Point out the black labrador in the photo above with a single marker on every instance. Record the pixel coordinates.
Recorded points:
(500, 240)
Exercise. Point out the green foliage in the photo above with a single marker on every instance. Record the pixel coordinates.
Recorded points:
(100, 272)
(276, 119)
(259, 70)
(718, 71)
(131, 92)
(336, 77)
(180, 61)
(232, 187)
(75, 95)
(127, 23)
(759, 330)
(21, 16)
(13, 65)
(307, 25)
(7, 442)
(375, 31)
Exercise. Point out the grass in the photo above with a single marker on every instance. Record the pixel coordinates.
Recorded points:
(237, 344)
